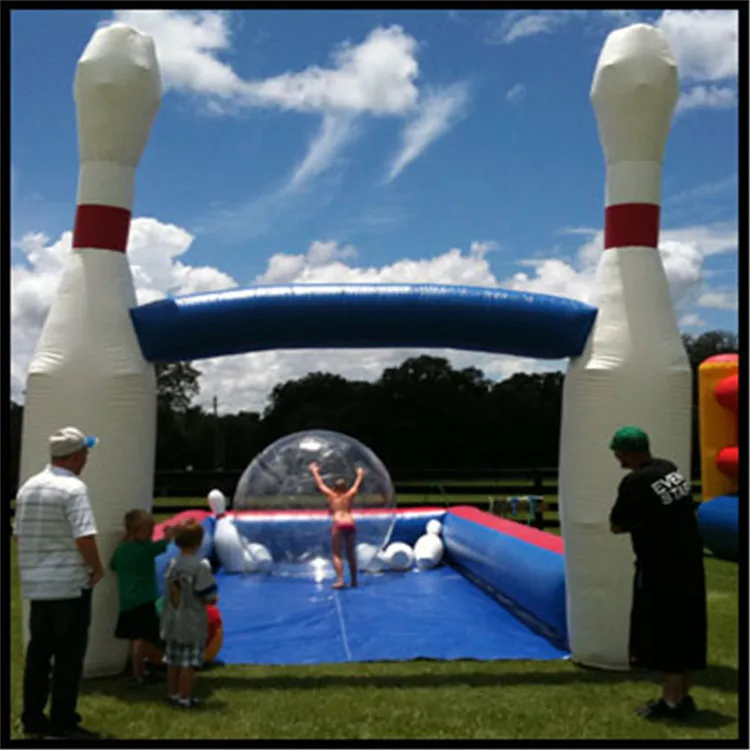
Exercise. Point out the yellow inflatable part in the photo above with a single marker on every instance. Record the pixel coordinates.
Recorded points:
(718, 426)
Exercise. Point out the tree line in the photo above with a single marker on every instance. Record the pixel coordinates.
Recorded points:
(422, 414)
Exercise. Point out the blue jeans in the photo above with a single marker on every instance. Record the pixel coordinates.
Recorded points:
(59, 630)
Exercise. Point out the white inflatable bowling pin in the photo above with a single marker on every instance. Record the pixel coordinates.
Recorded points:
(257, 557)
(88, 369)
(634, 370)
(399, 556)
(428, 551)
(369, 558)
(217, 502)
(229, 546)
(434, 527)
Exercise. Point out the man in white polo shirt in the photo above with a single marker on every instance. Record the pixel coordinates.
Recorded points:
(59, 563)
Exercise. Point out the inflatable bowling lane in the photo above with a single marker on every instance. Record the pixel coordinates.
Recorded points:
(718, 408)
(88, 369)
(634, 369)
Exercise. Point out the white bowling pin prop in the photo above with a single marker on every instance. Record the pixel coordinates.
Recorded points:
(217, 502)
(88, 369)
(428, 551)
(399, 556)
(634, 370)
(365, 555)
(369, 558)
(434, 527)
(258, 558)
(229, 546)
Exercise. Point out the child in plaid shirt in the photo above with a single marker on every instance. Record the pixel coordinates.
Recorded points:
(189, 587)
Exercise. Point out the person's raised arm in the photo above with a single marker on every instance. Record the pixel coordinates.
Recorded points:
(319, 483)
(357, 482)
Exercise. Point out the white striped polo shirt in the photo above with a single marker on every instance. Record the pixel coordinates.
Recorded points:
(52, 511)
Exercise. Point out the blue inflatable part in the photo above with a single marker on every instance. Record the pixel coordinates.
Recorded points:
(433, 614)
(362, 316)
(719, 524)
(444, 613)
(527, 579)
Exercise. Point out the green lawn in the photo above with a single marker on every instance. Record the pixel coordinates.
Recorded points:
(419, 700)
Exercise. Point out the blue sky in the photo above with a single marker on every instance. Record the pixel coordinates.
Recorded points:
(458, 147)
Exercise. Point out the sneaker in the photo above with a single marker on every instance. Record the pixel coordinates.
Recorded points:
(659, 709)
(37, 727)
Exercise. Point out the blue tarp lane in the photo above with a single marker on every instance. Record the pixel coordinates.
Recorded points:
(434, 614)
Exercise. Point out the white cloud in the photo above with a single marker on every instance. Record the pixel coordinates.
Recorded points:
(438, 113)
(335, 132)
(158, 254)
(154, 250)
(518, 25)
(700, 194)
(376, 77)
(692, 320)
(187, 45)
(516, 93)
(706, 97)
(726, 300)
(704, 42)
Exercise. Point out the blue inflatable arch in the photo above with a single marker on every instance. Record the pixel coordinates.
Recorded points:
(362, 316)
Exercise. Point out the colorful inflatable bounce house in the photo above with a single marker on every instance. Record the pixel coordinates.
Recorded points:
(718, 514)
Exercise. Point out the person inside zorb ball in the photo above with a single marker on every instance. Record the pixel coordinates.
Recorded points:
(328, 492)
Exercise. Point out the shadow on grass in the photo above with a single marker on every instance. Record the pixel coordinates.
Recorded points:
(707, 720)
(718, 677)
(215, 678)
(153, 692)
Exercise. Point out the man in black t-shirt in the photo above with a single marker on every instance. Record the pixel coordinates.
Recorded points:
(668, 617)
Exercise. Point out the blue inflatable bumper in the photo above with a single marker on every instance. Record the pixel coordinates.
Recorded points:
(719, 523)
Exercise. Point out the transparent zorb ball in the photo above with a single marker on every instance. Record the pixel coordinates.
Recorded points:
(290, 515)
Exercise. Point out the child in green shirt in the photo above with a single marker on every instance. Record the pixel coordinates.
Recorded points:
(133, 561)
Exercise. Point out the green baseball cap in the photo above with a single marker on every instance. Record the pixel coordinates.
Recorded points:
(630, 440)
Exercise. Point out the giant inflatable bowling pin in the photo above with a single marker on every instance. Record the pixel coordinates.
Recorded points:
(634, 369)
(88, 370)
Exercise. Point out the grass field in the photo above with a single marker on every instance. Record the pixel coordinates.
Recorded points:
(418, 700)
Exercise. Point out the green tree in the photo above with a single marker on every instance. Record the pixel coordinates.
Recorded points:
(177, 385)
(705, 345)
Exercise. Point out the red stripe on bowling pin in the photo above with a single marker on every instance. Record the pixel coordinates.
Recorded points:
(631, 225)
(101, 227)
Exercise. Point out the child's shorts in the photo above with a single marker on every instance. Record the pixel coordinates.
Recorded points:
(139, 624)
(184, 654)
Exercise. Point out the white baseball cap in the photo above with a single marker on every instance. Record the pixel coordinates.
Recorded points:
(69, 440)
